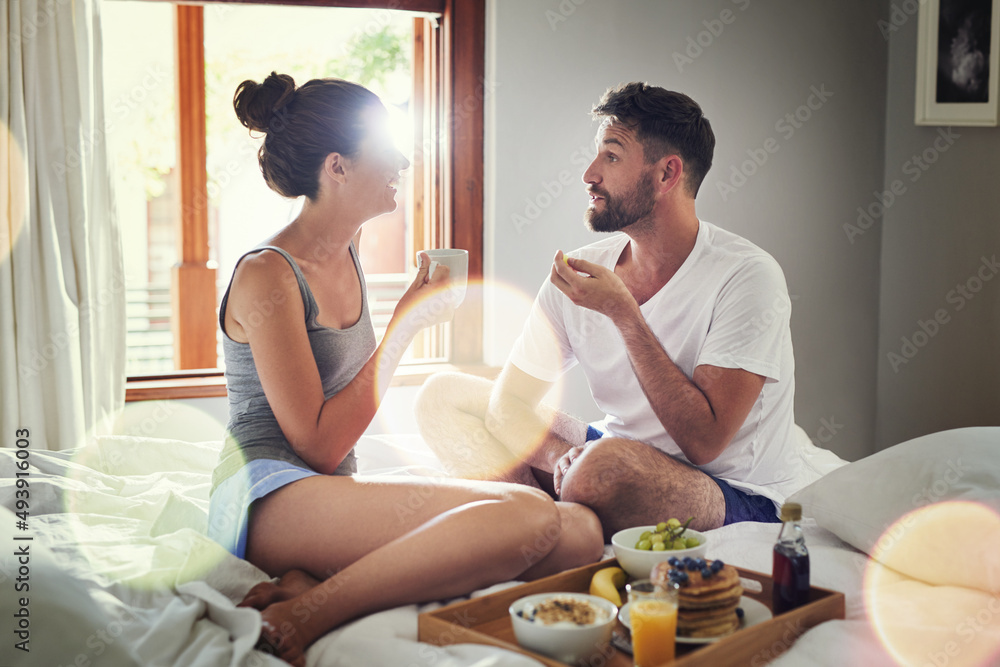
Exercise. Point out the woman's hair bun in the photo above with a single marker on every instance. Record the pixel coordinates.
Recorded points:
(256, 103)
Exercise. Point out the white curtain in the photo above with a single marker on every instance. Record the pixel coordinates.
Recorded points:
(62, 291)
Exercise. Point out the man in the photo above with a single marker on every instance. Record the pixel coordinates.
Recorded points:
(681, 329)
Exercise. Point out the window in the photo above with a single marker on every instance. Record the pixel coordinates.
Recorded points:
(192, 198)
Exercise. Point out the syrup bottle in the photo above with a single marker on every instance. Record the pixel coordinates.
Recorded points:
(790, 570)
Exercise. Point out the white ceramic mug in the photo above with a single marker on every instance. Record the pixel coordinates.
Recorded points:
(457, 262)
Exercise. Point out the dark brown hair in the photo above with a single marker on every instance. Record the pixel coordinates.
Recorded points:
(664, 122)
(303, 125)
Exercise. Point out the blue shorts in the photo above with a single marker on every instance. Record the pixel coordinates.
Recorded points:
(229, 506)
(743, 506)
(740, 505)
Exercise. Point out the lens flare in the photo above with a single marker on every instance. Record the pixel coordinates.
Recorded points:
(452, 407)
(14, 211)
(932, 587)
(432, 306)
(139, 500)
(521, 430)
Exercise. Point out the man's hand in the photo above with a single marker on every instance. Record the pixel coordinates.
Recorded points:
(563, 466)
(599, 290)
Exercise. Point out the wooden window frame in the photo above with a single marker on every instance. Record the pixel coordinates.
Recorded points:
(450, 175)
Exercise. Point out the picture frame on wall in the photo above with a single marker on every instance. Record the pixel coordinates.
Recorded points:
(958, 62)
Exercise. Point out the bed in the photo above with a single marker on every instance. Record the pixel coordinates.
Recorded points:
(118, 570)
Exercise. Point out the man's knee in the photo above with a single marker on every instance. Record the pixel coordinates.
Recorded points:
(438, 395)
(436, 390)
(597, 476)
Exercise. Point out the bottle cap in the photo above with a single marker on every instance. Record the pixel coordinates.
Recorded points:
(791, 512)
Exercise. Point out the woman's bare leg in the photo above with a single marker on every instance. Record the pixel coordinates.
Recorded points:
(579, 542)
(388, 542)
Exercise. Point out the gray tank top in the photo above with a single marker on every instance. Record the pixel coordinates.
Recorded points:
(253, 431)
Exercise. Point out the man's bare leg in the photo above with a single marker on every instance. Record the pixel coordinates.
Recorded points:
(451, 416)
(629, 483)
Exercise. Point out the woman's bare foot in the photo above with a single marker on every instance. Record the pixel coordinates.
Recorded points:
(279, 638)
(283, 631)
(264, 594)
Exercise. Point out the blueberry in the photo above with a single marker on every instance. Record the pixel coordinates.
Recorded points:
(682, 578)
(700, 562)
(717, 565)
(692, 566)
(706, 573)
(687, 560)
(673, 560)
(739, 612)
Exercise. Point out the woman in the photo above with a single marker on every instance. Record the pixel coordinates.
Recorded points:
(304, 380)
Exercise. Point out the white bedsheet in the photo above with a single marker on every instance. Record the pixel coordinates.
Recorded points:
(122, 573)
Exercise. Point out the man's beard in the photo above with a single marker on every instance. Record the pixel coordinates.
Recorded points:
(621, 212)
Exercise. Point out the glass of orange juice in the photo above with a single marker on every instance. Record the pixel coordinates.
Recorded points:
(653, 617)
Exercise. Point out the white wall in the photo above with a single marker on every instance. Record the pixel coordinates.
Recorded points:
(940, 313)
(550, 60)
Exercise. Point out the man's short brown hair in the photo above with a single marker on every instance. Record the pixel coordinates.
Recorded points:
(664, 122)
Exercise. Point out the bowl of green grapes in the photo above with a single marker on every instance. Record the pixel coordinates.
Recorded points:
(639, 549)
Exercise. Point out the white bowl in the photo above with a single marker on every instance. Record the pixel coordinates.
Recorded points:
(640, 563)
(565, 643)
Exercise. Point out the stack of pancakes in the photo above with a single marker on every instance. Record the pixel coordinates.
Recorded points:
(706, 606)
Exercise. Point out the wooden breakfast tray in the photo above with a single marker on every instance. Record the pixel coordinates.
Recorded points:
(485, 620)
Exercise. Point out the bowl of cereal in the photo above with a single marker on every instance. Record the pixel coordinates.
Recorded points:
(568, 627)
(639, 549)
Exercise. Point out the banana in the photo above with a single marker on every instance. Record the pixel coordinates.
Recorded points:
(605, 583)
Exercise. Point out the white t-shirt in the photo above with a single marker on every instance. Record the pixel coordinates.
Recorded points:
(726, 306)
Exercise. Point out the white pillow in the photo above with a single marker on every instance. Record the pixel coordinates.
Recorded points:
(894, 506)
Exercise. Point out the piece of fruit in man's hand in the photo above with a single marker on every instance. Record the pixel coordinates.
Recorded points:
(606, 582)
